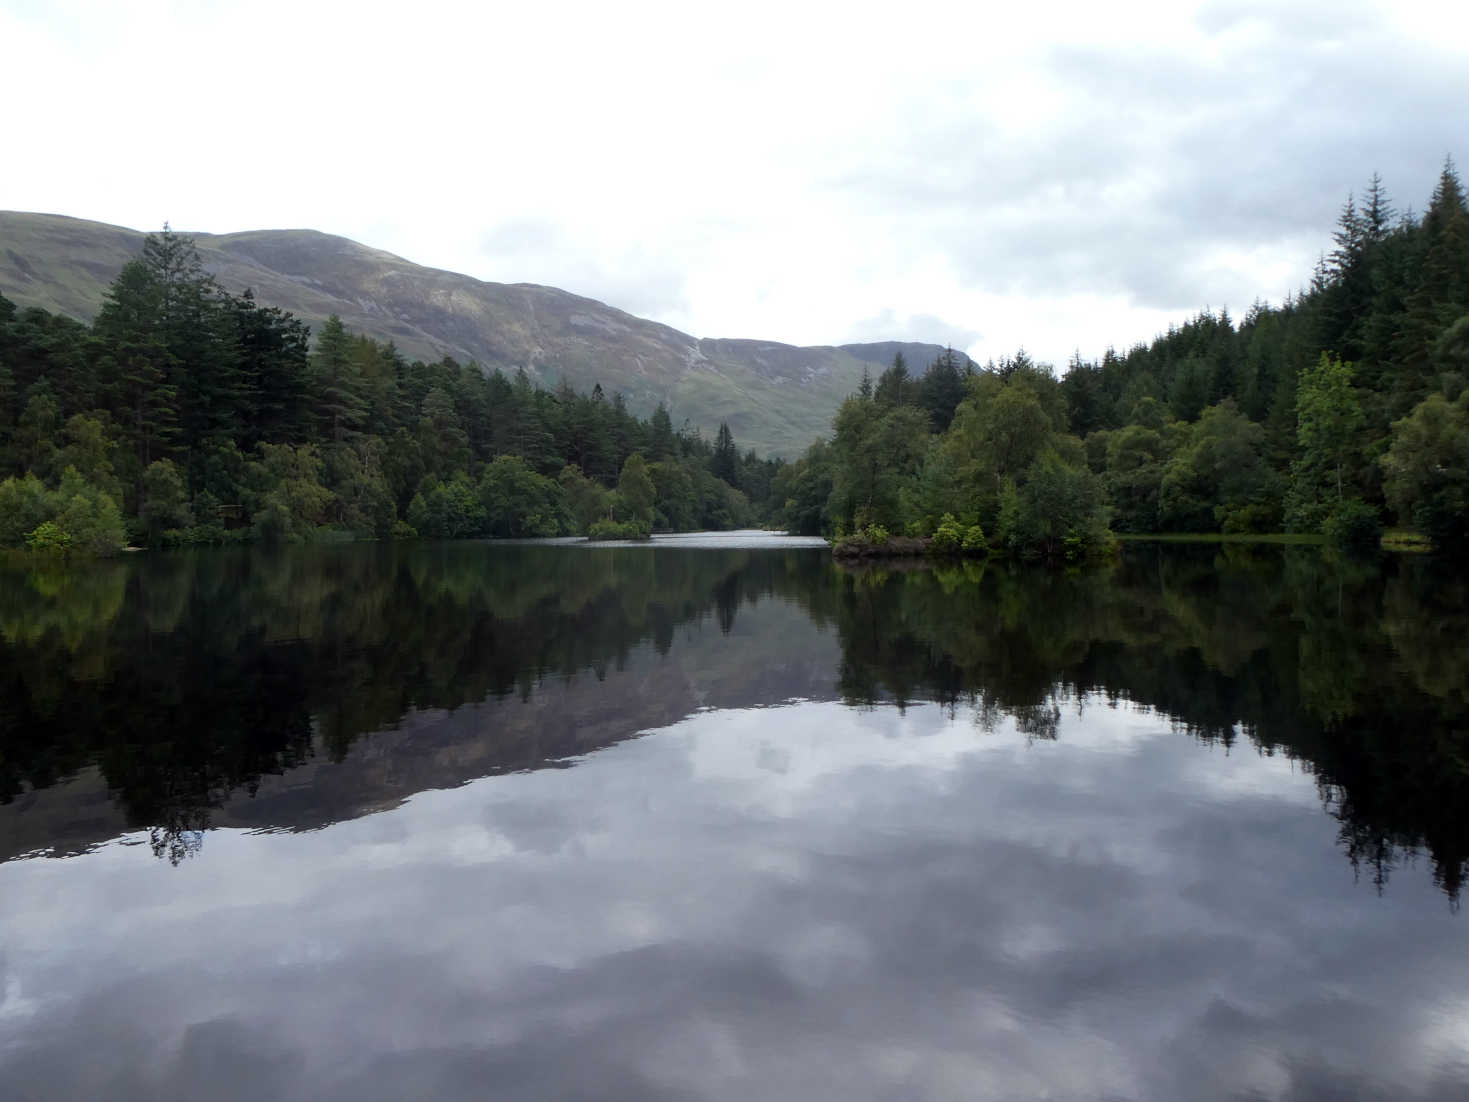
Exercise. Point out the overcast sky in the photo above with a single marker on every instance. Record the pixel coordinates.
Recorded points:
(1040, 174)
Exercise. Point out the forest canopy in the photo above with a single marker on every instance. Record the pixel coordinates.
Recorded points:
(1340, 408)
(185, 414)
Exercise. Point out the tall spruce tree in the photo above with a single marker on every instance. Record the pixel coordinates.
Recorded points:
(335, 388)
(942, 389)
(724, 464)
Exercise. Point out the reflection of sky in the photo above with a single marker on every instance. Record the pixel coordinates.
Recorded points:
(805, 902)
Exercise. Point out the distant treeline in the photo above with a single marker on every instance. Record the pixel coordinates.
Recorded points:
(185, 414)
(1342, 407)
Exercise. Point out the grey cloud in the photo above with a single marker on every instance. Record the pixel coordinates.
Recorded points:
(924, 328)
(644, 283)
(520, 236)
(1161, 159)
(1313, 21)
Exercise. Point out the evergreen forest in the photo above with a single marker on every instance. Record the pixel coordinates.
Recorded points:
(1336, 412)
(184, 414)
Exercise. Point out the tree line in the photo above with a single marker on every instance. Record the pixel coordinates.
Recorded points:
(185, 414)
(1340, 409)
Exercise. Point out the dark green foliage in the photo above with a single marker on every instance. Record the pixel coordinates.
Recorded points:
(1353, 525)
(1325, 375)
(1328, 433)
(660, 434)
(448, 511)
(336, 384)
(289, 500)
(619, 530)
(942, 388)
(895, 386)
(165, 502)
(1062, 513)
(1427, 470)
(1135, 459)
(209, 418)
(803, 491)
(25, 504)
(1219, 479)
(1004, 464)
(948, 537)
(517, 501)
(877, 448)
(1318, 414)
(586, 502)
(77, 516)
(636, 493)
(724, 464)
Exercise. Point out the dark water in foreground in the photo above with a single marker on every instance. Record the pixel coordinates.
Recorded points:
(475, 821)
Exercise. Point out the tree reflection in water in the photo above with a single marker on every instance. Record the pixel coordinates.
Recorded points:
(185, 679)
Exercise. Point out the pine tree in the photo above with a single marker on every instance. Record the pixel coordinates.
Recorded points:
(1377, 213)
(894, 387)
(660, 434)
(195, 327)
(725, 462)
(274, 365)
(136, 367)
(1440, 296)
(336, 397)
(942, 389)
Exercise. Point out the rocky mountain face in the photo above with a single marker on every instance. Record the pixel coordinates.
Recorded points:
(775, 397)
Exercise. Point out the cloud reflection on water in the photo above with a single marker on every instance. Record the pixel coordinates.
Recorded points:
(808, 901)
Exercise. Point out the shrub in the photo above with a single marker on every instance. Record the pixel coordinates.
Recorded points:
(49, 537)
(165, 502)
(876, 534)
(1246, 518)
(974, 542)
(620, 530)
(197, 535)
(92, 521)
(449, 510)
(1354, 525)
(24, 503)
(948, 537)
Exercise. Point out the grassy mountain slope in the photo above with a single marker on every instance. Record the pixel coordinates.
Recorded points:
(777, 398)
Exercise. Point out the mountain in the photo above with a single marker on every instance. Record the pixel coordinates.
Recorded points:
(777, 398)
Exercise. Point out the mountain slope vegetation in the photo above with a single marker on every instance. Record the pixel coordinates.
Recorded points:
(775, 397)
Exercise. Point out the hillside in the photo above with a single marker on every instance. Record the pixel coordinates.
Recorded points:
(776, 397)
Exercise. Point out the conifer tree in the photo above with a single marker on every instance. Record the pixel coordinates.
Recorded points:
(724, 464)
(661, 444)
(335, 388)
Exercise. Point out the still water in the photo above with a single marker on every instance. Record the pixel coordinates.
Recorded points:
(720, 820)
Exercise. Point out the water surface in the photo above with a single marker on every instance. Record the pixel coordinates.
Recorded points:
(728, 821)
